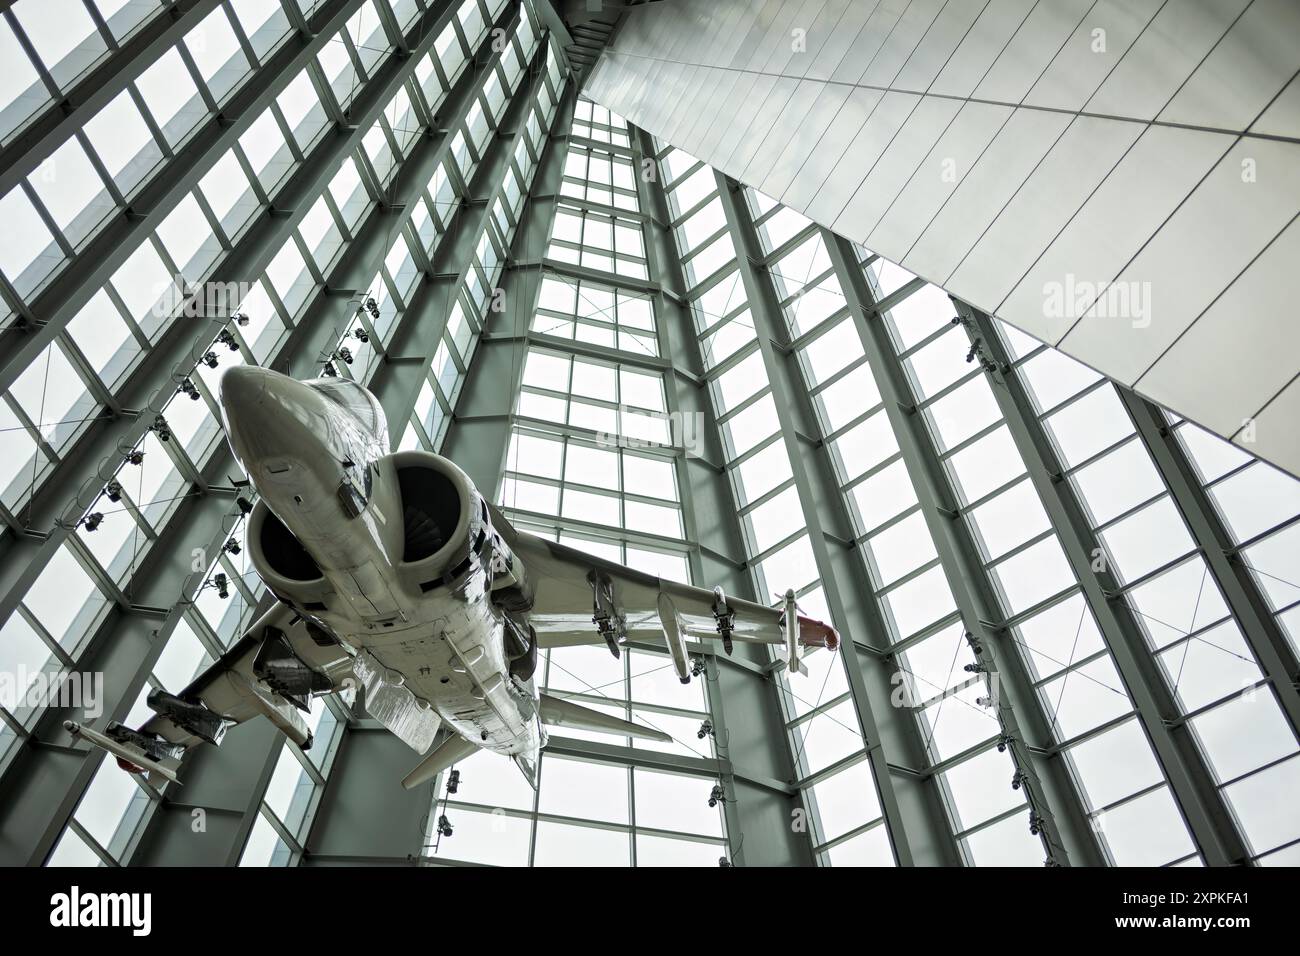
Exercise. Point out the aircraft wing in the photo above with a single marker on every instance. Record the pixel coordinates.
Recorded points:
(565, 602)
(272, 671)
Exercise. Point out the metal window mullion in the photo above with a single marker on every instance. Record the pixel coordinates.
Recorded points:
(908, 812)
(1067, 837)
(1270, 646)
(1189, 775)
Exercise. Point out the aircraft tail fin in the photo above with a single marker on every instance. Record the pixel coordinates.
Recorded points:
(527, 764)
(454, 748)
(561, 712)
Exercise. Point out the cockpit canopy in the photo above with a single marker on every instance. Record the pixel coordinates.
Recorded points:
(357, 400)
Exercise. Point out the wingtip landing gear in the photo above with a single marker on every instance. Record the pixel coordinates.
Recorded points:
(604, 613)
(725, 618)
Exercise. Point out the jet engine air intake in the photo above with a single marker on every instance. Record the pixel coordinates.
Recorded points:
(443, 517)
(274, 548)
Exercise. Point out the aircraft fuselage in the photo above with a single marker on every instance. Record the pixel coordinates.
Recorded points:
(317, 453)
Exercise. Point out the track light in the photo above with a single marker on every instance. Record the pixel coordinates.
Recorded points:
(93, 520)
(975, 668)
(226, 338)
(717, 795)
(706, 730)
(240, 318)
(1035, 823)
(231, 547)
(723, 862)
(1003, 742)
(113, 491)
(135, 457)
(210, 359)
(372, 307)
(444, 825)
(697, 666)
(361, 335)
(245, 506)
(222, 584)
(329, 371)
(345, 354)
(1018, 778)
(188, 387)
(453, 781)
(161, 429)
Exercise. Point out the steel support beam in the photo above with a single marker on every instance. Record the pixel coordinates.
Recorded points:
(744, 704)
(95, 264)
(912, 806)
(1276, 656)
(1065, 831)
(48, 130)
(1190, 778)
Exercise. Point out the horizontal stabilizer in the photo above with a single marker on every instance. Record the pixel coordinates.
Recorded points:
(560, 712)
(454, 748)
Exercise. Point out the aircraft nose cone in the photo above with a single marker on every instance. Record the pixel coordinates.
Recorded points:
(242, 387)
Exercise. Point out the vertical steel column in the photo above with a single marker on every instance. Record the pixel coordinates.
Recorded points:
(912, 805)
(1189, 776)
(1259, 627)
(1067, 836)
(743, 701)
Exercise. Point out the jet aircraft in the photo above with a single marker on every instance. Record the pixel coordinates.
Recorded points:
(394, 577)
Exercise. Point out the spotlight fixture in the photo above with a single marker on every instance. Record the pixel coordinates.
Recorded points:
(93, 520)
(372, 307)
(976, 668)
(723, 861)
(222, 584)
(717, 795)
(697, 666)
(113, 490)
(453, 781)
(245, 506)
(1003, 742)
(361, 335)
(240, 319)
(161, 428)
(984, 701)
(329, 371)
(345, 354)
(706, 730)
(210, 359)
(135, 457)
(1018, 778)
(226, 338)
(188, 387)
(444, 825)
(231, 547)
(1035, 823)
